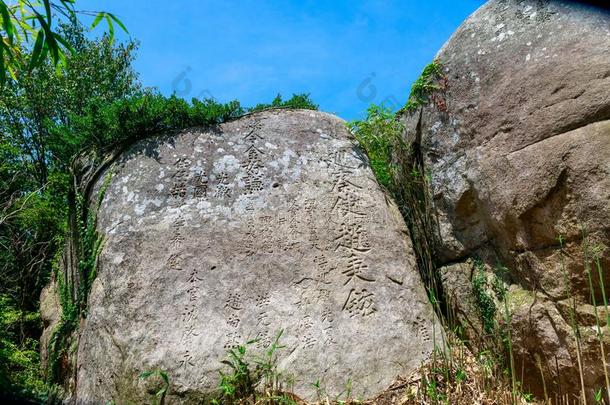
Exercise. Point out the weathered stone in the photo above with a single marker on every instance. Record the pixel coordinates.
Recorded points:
(462, 308)
(543, 343)
(50, 314)
(273, 222)
(518, 144)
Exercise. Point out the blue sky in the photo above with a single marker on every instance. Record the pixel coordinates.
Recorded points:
(347, 54)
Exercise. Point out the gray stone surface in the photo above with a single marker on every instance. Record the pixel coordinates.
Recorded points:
(518, 145)
(271, 222)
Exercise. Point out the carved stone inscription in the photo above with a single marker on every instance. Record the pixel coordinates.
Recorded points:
(271, 223)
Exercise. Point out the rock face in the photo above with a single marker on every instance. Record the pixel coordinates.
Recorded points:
(518, 145)
(273, 222)
(50, 314)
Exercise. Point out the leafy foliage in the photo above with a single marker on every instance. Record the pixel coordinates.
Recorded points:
(240, 381)
(163, 389)
(127, 119)
(19, 358)
(399, 167)
(28, 23)
(296, 101)
(484, 301)
(252, 378)
(427, 83)
(34, 169)
(379, 134)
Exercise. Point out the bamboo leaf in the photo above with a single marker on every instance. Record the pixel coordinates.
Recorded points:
(53, 47)
(63, 42)
(119, 22)
(110, 28)
(2, 67)
(7, 23)
(47, 6)
(97, 19)
(37, 50)
(68, 8)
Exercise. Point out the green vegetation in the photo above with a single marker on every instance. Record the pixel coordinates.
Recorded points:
(594, 255)
(296, 101)
(65, 94)
(163, 389)
(128, 119)
(37, 117)
(484, 301)
(399, 167)
(254, 379)
(380, 135)
(19, 357)
(430, 81)
(25, 24)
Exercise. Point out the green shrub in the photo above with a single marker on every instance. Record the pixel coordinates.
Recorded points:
(379, 134)
(20, 375)
(254, 378)
(426, 84)
(296, 101)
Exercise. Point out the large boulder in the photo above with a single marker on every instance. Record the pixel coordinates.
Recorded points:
(212, 237)
(517, 141)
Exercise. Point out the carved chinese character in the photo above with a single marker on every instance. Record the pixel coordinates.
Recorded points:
(189, 313)
(178, 189)
(252, 136)
(234, 339)
(253, 183)
(356, 267)
(193, 277)
(183, 164)
(201, 185)
(189, 334)
(360, 303)
(175, 262)
(327, 315)
(352, 238)
(253, 163)
(176, 241)
(263, 339)
(308, 340)
(233, 320)
(222, 187)
(262, 300)
(187, 360)
(328, 336)
(179, 222)
(263, 319)
(234, 301)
